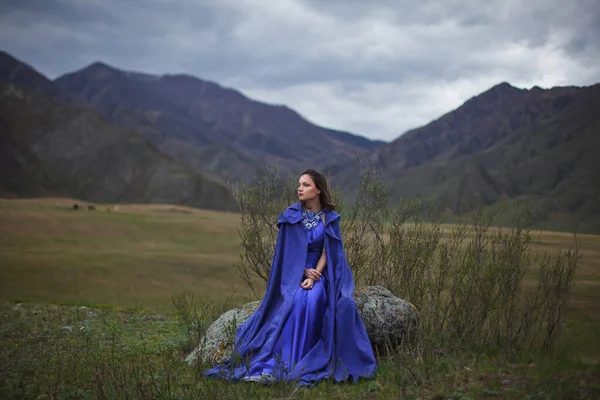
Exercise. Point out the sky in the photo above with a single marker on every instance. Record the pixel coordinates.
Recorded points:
(376, 68)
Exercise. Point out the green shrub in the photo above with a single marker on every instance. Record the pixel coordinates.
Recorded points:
(466, 281)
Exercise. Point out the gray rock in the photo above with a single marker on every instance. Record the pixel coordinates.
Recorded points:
(219, 339)
(387, 318)
(67, 329)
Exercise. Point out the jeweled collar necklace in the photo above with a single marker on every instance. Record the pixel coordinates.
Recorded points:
(311, 219)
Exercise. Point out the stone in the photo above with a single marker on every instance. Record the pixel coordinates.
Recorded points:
(387, 318)
(67, 329)
(217, 343)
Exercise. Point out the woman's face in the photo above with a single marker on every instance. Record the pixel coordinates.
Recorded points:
(307, 190)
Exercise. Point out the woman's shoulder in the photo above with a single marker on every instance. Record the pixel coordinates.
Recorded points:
(292, 214)
(331, 216)
(294, 207)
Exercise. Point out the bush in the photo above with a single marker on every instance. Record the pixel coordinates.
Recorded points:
(466, 280)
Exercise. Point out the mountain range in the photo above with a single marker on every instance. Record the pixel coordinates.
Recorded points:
(50, 145)
(105, 134)
(540, 147)
(215, 130)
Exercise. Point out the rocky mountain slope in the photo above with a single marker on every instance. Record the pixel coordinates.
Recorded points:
(49, 146)
(504, 145)
(542, 146)
(213, 129)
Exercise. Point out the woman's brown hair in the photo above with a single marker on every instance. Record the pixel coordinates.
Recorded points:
(321, 184)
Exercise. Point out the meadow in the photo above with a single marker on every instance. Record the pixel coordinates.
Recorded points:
(83, 290)
(140, 255)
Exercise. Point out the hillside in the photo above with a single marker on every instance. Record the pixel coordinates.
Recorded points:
(541, 146)
(213, 129)
(49, 148)
(507, 144)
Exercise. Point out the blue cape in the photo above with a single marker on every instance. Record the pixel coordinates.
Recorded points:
(345, 350)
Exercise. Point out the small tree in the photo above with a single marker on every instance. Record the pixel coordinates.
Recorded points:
(261, 203)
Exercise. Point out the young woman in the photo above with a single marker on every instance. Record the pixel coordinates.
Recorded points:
(307, 327)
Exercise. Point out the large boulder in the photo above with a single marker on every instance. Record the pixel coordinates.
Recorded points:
(387, 318)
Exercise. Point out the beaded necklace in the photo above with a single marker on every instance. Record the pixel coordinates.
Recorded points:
(311, 219)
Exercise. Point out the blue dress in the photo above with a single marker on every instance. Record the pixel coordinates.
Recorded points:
(302, 329)
(297, 334)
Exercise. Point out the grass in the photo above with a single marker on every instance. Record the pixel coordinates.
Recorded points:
(126, 266)
(65, 351)
(141, 254)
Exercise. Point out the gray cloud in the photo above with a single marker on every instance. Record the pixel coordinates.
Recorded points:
(373, 68)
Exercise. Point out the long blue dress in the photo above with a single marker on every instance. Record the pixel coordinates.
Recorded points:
(302, 329)
(303, 335)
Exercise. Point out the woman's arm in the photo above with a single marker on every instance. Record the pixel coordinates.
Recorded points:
(316, 272)
(322, 263)
(310, 281)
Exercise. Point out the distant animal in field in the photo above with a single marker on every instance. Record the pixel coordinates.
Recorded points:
(75, 206)
(91, 207)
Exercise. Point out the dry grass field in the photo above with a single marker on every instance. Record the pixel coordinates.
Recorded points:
(143, 254)
(137, 256)
(129, 264)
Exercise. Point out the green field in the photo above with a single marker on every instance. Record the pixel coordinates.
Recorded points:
(142, 255)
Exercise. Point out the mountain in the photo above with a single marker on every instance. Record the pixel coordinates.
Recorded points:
(213, 129)
(506, 144)
(50, 147)
(23, 75)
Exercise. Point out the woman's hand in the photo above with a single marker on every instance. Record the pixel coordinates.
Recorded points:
(307, 284)
(312, 273)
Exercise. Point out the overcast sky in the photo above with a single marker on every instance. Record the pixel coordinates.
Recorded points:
(375, 68)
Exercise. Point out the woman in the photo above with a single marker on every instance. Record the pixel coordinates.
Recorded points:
(307, 327)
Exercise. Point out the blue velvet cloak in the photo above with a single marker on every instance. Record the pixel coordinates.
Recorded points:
(344, 351)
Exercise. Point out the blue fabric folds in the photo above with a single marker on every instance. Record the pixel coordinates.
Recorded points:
(303, 335)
